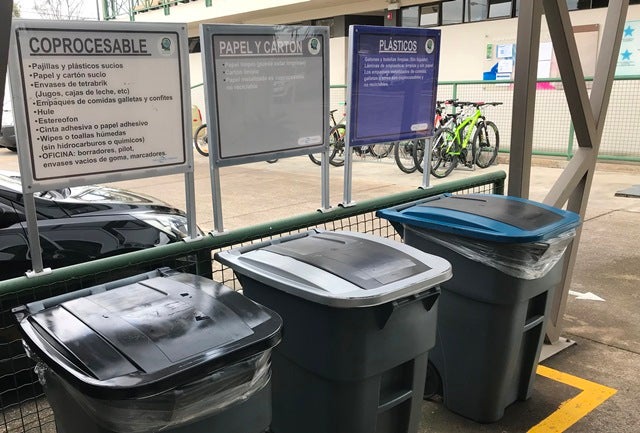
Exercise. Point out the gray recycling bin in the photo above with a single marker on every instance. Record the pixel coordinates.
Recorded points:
(508, 258)
(359, 318)
(163, 351)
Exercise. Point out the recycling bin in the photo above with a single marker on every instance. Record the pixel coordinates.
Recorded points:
(163, 351)
(508, 257)
(359, 317)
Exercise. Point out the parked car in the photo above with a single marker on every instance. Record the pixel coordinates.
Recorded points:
(81, 224)
(7, 129)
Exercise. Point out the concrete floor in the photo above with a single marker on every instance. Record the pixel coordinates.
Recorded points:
(607, 334)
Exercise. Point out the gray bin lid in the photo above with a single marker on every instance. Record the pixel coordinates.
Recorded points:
(339, 269)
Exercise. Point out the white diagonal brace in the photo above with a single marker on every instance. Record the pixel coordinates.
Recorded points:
(574, 185)
(566, 50)
(599, 101)
(571, 176)
(607, 60)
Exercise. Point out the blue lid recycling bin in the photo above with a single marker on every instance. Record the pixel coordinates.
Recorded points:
(507, 256)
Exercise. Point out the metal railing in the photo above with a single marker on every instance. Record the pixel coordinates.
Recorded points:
(23, 408)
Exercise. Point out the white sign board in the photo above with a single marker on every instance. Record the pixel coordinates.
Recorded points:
(267, 91)
(100, 101)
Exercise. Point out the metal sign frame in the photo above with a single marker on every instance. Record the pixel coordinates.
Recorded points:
(245, 43)
(421, 45)
(32, 184)
(245, 39)
(31, 180)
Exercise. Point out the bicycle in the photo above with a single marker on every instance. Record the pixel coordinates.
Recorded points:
(337, 143)
(443, 118)
(201, 142)
(336, 133)
(404, 153)
(450, 145)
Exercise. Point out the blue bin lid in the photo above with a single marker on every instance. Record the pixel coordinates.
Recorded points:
(489, 217)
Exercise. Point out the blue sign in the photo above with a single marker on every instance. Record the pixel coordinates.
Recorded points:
(393, 83)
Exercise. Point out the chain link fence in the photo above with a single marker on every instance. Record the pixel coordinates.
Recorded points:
(553, 133)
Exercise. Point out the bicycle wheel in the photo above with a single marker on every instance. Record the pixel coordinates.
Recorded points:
(381, 150)
(404, 155)
(201, 140)
(442, 161)
(336, 142)
(485, 144)
(419, 154)
(316, 158)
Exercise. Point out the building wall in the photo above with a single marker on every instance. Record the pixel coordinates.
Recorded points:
(464, 47)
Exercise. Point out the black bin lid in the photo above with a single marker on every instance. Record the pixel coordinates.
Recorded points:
(147, 337)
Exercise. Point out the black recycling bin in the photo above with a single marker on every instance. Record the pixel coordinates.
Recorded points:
(359, 318)
(507, 256)
(162, 351)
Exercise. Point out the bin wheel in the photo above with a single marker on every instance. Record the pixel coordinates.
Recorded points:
(433, 382)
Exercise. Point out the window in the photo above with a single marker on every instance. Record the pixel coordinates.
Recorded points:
(194, 44)
(476, 10)
(429, 15)
(452, 12)
(410, 17)
(329, 22)
(500, 8)
(578, 4)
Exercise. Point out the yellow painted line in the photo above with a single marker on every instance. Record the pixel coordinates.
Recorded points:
(574, 409)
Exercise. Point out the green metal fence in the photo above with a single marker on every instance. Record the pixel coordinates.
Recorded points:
(23, 408)
(553, 133)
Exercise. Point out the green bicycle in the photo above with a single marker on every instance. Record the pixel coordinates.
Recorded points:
(451, 146)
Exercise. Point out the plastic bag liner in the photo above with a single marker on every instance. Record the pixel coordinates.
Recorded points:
(188, 403)
(528, 261)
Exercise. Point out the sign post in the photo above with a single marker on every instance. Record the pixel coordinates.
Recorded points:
(99, 102)
(392, 82)
(267, 96)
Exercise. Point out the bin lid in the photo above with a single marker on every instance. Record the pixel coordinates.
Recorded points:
(340, 269)
(147, 337)
(488, 217)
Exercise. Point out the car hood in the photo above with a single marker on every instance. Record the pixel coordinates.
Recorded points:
(93, 199)
(102, 199)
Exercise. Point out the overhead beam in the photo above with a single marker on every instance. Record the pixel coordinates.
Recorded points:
(566, 51)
